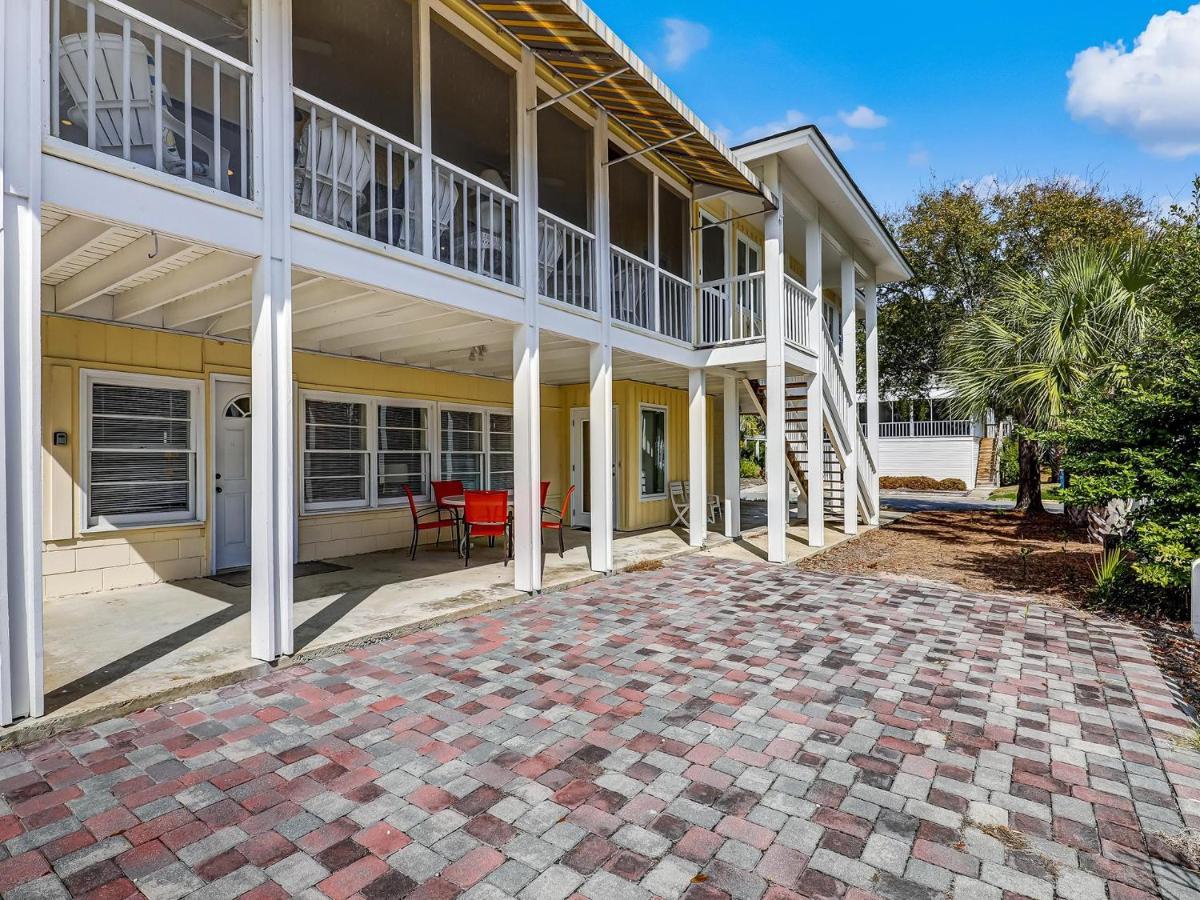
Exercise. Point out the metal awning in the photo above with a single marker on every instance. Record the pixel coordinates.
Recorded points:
(570, 39)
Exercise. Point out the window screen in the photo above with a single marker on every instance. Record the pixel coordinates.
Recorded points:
(654, 452)
(402, 457)
(335, 453)
(141, 454)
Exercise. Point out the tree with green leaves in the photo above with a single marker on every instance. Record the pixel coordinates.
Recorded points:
(962, 239)
(1030, 349)
(1140, 438)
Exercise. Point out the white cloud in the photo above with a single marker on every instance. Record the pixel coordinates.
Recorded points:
(793, 118)
(841, 142)
(1150, 93)
(862, 117)
(918, 158)
(682, 39)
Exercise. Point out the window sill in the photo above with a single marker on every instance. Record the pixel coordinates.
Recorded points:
(651, 498)
(140, 526)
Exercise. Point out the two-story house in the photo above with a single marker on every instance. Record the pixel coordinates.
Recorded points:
(272, 266)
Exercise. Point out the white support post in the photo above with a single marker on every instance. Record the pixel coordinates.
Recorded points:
(697, 452)
(872, 351)
(656, 287)
(423, 109)
(600, 454)
(601, 451)
(527, 381)
(849, 346)
(778, 485)
(272, 427)
(731, 436)
(22, 42)
(1196, 598)
(815, 469)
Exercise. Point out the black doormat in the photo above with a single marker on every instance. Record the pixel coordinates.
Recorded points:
(241, 577)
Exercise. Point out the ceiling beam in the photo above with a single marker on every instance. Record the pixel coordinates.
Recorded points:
(207, 303)
(387, 335)
(362, 316)
(464, 339)
(206, 272)
(103, 276)
(68, 237)
(315, 295)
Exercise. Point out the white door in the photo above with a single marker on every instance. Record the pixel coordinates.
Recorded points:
(231, 475)
(581, 467)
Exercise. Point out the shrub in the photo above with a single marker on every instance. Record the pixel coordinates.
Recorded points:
(1010, 466)
(750, 469)
(921, 483)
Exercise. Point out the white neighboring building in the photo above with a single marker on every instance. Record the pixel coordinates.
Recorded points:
(921, 437)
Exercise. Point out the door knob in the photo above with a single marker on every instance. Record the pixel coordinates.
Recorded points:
(218, 490)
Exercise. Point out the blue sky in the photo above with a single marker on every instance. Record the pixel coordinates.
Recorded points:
(952, 91)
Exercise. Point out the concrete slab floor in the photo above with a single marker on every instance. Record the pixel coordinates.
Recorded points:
(116, 651)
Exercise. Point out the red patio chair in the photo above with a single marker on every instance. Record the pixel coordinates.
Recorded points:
(418, 526)
(442, 490)
(485, 514)
(545, 492)
(559, 519)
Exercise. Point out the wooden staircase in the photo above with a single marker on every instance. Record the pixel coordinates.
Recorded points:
(795, 438)
(987, 463)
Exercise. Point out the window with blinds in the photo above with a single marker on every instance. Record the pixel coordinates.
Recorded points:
(336, 458)
(402, 454)
(462, 452)
(141, 450)
(500, 451)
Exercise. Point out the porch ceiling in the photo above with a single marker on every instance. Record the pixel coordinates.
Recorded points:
(572, 40)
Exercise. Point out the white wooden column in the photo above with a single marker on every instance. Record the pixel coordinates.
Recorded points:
(731, 437)
(423, 127)
(815, 469)
(872, 362)
(23, 37)
(600, 398)
(527, 380)
(600, 456)
(273, 423)
(774, 263)
(849, 346)
(697, 457)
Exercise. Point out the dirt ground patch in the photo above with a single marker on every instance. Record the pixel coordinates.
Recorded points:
(997, 551)
(982, 550)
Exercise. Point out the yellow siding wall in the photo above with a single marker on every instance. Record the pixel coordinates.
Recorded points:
(77, 562)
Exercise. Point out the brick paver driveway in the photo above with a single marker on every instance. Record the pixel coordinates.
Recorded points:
(712, 728)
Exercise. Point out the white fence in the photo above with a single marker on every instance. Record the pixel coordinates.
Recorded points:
(475, 224)
(798, 302)
(355, 176)
(934, 428)
(131, 86)
(566, 262)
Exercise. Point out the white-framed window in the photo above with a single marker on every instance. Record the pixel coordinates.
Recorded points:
(141, 449)
(359, 451)
(403, 454)
(476, 447)
(652, 429)
(336, 455)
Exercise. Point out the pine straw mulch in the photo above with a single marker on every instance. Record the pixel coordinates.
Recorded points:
(990, 551)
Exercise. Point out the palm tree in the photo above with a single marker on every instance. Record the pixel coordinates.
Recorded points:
(1031, 348)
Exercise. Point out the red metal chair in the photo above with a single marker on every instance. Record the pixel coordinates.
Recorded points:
(418, 526)
(485, 514)
(442, 490)
(545, 492)
(559, 521)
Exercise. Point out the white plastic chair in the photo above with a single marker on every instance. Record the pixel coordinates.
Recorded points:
(110, 107)
(351, 172)
(680, 492)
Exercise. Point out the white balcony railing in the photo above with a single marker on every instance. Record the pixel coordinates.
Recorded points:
(128, 85)
(934, 428)
(732, 309)
(632, 289)
(475, 224)
(674, 307)
(566, 262)
(355, 176)
(798, 302)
